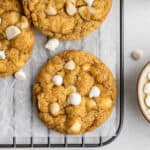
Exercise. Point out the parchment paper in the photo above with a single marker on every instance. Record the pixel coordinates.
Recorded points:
(18, 116)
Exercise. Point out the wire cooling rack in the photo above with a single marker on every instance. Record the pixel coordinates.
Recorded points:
(100, 141)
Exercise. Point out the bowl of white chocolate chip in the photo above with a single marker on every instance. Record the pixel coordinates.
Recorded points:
(143, 91)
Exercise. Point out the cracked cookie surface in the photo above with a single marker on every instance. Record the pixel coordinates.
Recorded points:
(74, 92)
(16, 38)
(67, 19)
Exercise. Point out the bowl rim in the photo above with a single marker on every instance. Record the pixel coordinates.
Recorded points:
(137, 93)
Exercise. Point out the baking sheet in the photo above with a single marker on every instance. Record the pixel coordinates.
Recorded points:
(18, 116)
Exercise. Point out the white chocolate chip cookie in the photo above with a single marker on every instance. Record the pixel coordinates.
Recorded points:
(67, 19)
(16, 38)
(74, 92)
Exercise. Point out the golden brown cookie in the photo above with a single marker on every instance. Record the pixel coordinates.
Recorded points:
(74, 92)
(9, 5)
(16, 38)
(67, 19)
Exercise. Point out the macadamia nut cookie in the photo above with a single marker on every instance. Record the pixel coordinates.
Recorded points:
(67, 19)
(74, 92)
(16, 38)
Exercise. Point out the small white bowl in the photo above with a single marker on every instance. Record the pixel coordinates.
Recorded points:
(142, 79)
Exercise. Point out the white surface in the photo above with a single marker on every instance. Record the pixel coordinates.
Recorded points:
(136, 131)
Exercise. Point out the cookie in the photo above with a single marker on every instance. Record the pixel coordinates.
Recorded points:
(16, 38)
(9, 5)
(74, 92)
(67, 19)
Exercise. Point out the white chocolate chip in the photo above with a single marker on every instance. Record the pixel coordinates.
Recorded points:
(58, 80)
(2, 54)
(74, 99)
(24, 25)
(71, 9)
(95, 92)
(70, 65)
(51, 11)
(136, 55)
(52, 44)
(147, 88)
(54, 108)
(147, 101)
(148, 76)
(89, 2)
(12, 32)
(76, 127)
(20, 75)
(92, 10)
(84, 13)
(0, 20)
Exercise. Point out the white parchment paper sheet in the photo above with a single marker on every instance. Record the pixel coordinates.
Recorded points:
(17, 113)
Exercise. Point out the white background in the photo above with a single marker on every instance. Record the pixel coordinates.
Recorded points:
(136, 131)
